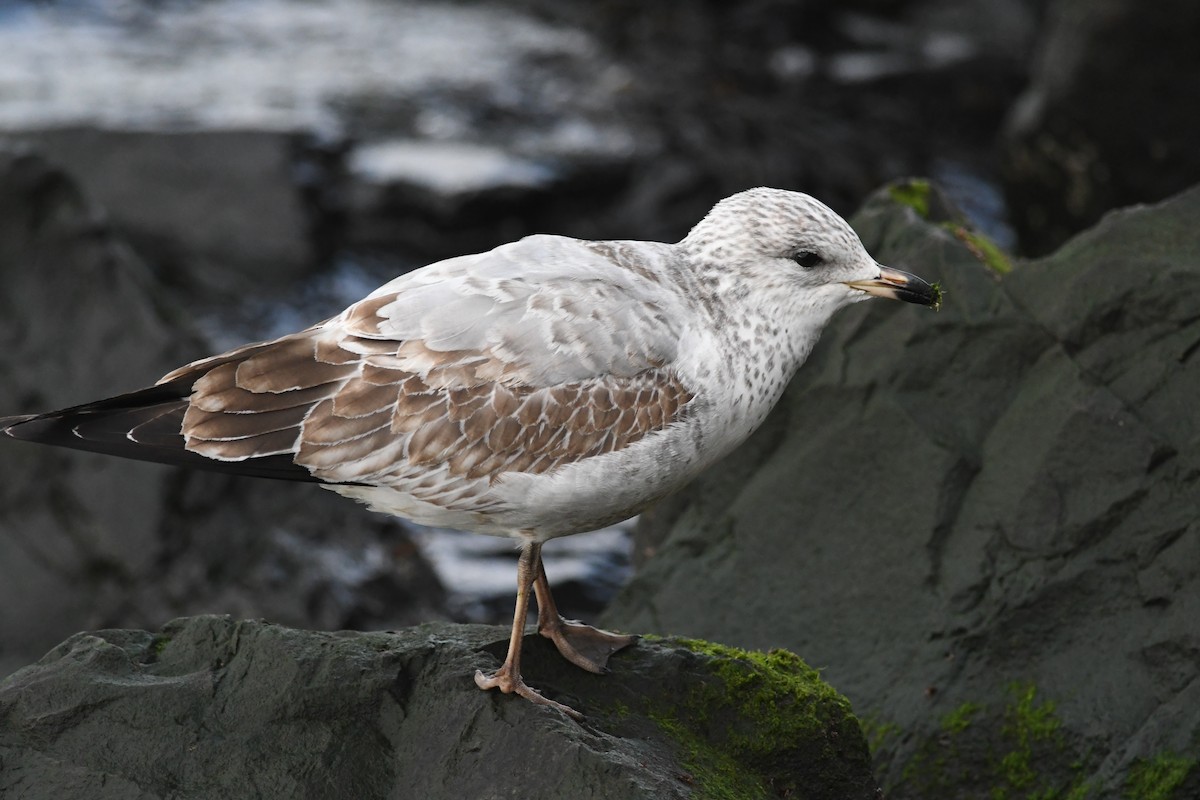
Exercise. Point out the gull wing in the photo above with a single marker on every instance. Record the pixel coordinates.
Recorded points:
(552, 308)
(524, 358)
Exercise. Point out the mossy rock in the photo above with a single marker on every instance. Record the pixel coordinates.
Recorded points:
(981, 523)
(1163, 777)
(763, 725)
(211, 705)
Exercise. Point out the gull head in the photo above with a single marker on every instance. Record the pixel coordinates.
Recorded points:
(788, 239)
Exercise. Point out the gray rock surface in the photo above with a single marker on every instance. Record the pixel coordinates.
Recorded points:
(215, 209)
(1102, 122)
(89, 541)
(71, 523)
(982, 523)
(211, 707)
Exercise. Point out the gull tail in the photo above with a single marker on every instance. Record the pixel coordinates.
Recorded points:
(143, 425)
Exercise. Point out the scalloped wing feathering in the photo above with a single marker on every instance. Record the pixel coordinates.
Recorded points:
(533, 355)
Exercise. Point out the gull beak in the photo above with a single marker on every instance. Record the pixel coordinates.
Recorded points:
(897, 285)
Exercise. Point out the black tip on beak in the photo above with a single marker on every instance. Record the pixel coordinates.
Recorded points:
(897, 285)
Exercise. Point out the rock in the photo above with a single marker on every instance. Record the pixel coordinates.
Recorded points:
(92, 541)
(210, 706)
(980, 523)
(211, 209)
(1104, 121)
(81, 320)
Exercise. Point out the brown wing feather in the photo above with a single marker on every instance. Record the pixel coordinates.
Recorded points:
(487, 429)
(365, 410)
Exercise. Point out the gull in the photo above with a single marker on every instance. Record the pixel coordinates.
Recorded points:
(547, 387)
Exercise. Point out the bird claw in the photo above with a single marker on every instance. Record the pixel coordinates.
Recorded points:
(508, 683)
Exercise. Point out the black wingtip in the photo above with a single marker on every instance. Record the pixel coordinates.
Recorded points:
(105, 425)
(24, 428)
(8, 425)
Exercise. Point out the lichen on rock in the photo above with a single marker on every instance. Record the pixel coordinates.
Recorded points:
(209, 705)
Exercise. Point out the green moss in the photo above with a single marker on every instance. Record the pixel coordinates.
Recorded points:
(1080, 791)
(938, 294)
(1028, 723)
(912, 193)
(918, 195)
(959, 719)
(877, 733)
(741, 732)
(983, 248)
(1157, 778)
(1021, 752)
(714, 772)
(1017, 753)
(784, 696)
(158, 644)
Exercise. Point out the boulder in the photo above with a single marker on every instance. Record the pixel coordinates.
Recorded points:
(217, 210)
(215, 707)
(1106, 119)
(82, 320)
(980, 523)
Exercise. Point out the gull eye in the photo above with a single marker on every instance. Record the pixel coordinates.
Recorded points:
(808, 259)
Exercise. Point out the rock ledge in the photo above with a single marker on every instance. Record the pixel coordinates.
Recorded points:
(215, 707)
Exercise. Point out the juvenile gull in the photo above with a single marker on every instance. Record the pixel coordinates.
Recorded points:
(546, 387)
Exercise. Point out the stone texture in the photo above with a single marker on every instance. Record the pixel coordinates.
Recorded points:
(212, 707)
(981, 523)
(209, 208)
(1103, 122)
(67, 519)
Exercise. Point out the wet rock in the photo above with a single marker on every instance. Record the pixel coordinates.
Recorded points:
(981, 522)
(82, 319)
(209, 706)
(1104, 122)
(831, 98)
(215, 210)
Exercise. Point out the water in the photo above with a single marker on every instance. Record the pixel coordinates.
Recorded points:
(360, 68)
(980, 199)
(479, 572)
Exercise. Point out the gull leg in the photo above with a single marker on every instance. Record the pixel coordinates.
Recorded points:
(582, 645)
(508, 678)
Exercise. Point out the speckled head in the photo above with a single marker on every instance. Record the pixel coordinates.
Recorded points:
(780, 236)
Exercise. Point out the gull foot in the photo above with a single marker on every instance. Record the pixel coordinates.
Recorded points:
(504, 680)
(584, 646)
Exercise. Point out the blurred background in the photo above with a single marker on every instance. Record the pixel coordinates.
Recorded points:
(180, 177)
